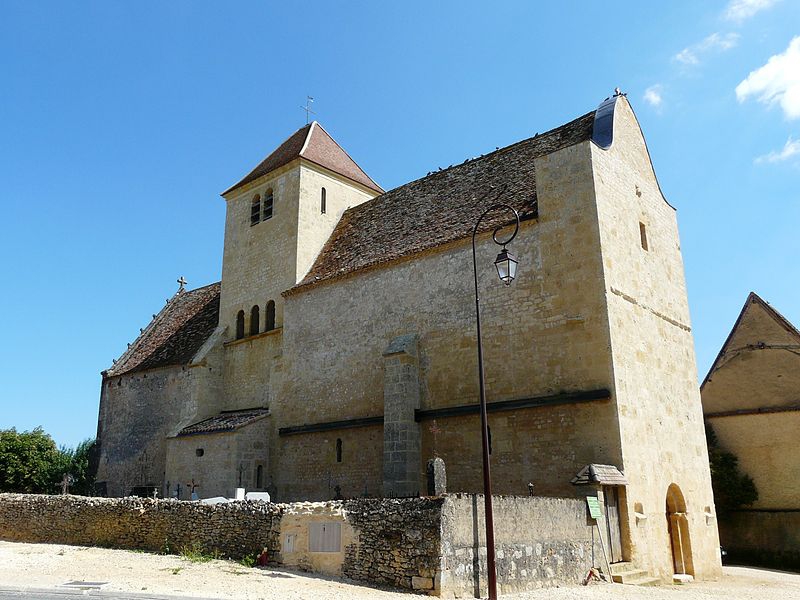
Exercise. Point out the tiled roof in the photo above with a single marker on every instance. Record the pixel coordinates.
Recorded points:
(441, 207)
(176, 333)
(228, 420)
(600, 474)
(315, 144)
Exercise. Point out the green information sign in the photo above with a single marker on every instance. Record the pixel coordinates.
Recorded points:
(594, 506)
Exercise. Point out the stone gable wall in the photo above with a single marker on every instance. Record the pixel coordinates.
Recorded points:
(655, 374)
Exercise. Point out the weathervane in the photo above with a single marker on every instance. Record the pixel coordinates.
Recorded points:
(307, 108)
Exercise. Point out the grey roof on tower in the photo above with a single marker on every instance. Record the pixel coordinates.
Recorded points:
(175, 334)
(441, 207)
(314, 144)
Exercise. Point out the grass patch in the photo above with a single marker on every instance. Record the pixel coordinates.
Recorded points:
(248, 561)
(196, 554)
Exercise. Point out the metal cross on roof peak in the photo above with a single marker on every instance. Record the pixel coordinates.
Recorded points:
(182, 282)
(307, 108)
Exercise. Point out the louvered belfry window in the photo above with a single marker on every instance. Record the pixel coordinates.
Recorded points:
(255, 210)
(269, 200)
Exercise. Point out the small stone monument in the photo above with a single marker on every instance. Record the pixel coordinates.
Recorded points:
(437, 477)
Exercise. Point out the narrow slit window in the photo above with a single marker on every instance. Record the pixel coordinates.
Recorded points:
(240, 325)
(269, 200)
(259, 477)
(339, 450)
(270, 316)
(643, 236)
(255, 210)
(254, 318)
(323, 202)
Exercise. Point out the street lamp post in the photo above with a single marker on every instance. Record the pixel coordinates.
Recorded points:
(506, 266)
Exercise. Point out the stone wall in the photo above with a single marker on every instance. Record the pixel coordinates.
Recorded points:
(137, 413)
(539, 542)
(397, 541)
(432, 544)
(767, 538)
(234, 530)
(219, 462)
(334, 365)
(654, 366)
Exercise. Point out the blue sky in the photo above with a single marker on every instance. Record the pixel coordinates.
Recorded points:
(121, 122)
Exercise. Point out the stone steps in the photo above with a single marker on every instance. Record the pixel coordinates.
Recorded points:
(627, 573)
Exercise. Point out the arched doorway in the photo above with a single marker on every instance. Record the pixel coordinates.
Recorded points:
(678, 529)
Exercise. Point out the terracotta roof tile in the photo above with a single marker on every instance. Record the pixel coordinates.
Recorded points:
(225, 421)
(176, 333)
(315, 144)
(441, 207)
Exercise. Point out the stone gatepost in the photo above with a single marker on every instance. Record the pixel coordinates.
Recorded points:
(401, 433)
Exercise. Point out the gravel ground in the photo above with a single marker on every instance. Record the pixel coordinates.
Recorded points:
(49, 566)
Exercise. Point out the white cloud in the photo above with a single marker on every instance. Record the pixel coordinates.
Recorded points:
(687, 57)
(653, 95)
(777, 82)
(741, 10)
(791, 148)
(714, 42)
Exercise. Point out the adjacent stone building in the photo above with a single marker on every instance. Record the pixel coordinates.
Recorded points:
(338, 353)
(751, 398)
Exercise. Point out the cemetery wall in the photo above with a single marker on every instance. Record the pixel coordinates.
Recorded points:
(539, 542)
(235, 529)
(430, 544)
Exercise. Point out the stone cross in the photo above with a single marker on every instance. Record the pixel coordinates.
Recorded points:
(182, 283)
(66, 481)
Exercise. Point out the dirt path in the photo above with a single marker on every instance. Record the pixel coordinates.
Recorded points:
(49, 566)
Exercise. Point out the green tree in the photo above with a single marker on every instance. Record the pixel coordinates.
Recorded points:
(79, 467)
(29, 462)
(732, 488)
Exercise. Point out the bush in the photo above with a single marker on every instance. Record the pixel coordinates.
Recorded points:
(732, 488)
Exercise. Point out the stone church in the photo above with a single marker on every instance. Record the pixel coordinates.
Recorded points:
(338, 352)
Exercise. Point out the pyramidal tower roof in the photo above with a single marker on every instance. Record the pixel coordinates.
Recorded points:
(314, 144)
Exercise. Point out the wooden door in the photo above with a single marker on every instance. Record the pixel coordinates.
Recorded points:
(612, 523)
